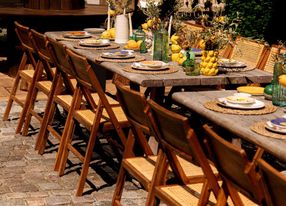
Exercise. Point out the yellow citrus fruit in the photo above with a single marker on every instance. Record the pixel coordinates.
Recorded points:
(175, 57)
(111, 12)
(174, 39)
(132, 44)
(105, 35)
(213, 59)
(282, 80)
(144, 26)
(207, 59)
(211, 53)
(150, 23)
(112, 32)
(181, 60)
(139, 43)
(175, 48)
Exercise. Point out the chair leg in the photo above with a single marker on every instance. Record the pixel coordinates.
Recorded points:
(119, 186)
(10, 101)
(87, 158)
(205, 194)
(159, 178)
(44, 132)
(29, 113)
(14, 88)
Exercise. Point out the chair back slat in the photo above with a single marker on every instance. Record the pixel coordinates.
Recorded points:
(23, 34)
(248, 51)
(274, 184)
(176, 137)
(59, 57)
(40, 45)
(268, 62)
(134, 104)
(231, 162)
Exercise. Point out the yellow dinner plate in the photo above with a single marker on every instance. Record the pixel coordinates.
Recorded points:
(251, 90)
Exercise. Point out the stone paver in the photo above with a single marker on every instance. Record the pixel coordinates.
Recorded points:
(28, 178)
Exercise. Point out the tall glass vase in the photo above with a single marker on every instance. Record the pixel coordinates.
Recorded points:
(279, 91)
(161, 45)
(121, 29)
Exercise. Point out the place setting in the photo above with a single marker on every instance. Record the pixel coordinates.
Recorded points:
(122, 56)
(151, 67)
(232, 65)
(97, 44)
(240, 103)
(74, 36)
(275, 128)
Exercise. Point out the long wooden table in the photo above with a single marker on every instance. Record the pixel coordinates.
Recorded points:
(174, 79)
(239, 125)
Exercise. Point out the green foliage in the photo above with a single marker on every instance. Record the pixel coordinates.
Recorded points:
(255, 16)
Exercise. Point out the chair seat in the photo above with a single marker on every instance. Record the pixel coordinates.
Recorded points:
(189, 194)
(44, 86)
(111, 101)
(64, 100)
(27, 74)
(145, 167)
(86, 117)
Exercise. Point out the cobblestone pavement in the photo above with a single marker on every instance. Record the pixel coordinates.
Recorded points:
(27, 178)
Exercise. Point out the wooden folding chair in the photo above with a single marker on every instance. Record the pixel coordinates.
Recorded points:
(97, 117)
(177, 139)
(267, 63)
(248, 51)
(237, 172)
(26, 68)
(141, 166)
(60, 95)
(274, 184)
(43, 81)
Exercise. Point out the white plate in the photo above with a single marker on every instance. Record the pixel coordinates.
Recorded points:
(139, 66)
(257, 105)
(94, 43)
(118, 54)
(77, 35)
(231, 63)
(272, 128)
(152, 64)
(240, 100)
(94, 30)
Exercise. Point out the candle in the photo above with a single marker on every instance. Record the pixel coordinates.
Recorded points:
(170, 27)
(130, 25)
(108, 17)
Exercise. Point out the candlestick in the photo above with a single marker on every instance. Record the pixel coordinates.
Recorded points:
(170, 27)
(130, 25)
(108, 17)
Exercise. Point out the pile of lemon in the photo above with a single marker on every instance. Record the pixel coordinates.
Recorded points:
(108, 34)
(209, 63)
(152, 24)
(132, 44)
(177, 54)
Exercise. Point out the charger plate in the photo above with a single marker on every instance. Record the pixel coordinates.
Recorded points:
(259, 128)
(171, 69)
(215, 106)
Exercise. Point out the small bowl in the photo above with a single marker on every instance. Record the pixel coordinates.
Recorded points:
(152, 64)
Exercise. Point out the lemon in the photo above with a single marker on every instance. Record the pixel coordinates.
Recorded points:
(175, 57)
(132, 44)
(144, 26)
(215, 65)
(282, 80)
(213, 59)
(211, 53)
(202, 44)
(112, 32)
(105, 35)
(181, 60)
(150, 23)
(111, 12)
(175, 48)
(174, 39)
(139, 43)
(207, 59)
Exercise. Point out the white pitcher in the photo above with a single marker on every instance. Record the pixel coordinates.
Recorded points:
(122, 29)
